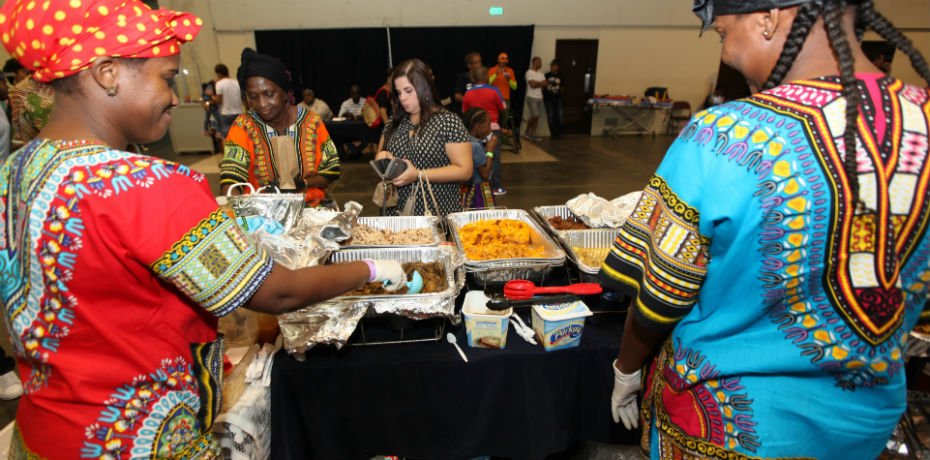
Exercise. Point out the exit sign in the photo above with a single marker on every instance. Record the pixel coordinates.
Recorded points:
(496, 10)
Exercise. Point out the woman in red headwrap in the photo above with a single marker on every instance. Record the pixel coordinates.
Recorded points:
(114, 266)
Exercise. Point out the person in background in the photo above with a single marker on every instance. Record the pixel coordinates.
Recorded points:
(383, 98)
(15, 70)
(31, 103)
(489, 98)
(465, 80)
(211, 118)
(477, 194)
(432, 141)
(535, 82)
(351, 108)
(315, 105)
(228, 97)
(552, 96)
(779, 255)
(130, 366)
(503, 77)
(276, 143)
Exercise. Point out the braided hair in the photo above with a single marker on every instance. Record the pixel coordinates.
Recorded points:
(832, 13)
(868, 17)
(474, 116)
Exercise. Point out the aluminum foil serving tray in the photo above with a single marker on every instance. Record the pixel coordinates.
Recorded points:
(554, 255)
(397, 224)
(595, 238)
(411, 305)
(543, 213)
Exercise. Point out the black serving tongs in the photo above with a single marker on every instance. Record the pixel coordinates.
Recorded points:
(499, 302)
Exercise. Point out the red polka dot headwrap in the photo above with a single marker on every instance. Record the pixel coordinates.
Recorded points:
(59, 38)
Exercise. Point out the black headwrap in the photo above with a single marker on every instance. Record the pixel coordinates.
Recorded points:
(708, 10)
(255, 64)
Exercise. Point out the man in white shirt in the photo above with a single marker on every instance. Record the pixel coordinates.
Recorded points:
(535, 82)
(317, 106)
(352, 107)
(228, 97)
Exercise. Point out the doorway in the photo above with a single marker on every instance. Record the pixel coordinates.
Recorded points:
(578, 66)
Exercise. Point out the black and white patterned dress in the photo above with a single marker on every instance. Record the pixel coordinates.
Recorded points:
(426, 150)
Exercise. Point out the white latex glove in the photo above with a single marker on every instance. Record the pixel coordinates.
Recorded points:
(623, 399)
(389, 273)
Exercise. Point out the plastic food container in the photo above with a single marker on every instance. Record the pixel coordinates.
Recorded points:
(484, 328)
(559, 326)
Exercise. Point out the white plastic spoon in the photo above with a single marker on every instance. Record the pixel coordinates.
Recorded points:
(450, 337)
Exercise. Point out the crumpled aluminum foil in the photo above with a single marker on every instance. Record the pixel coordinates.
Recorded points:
(320, 325)
(339, 228)
(597, 212)
(283, 208)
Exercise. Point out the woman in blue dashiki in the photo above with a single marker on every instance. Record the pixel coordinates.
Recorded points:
(777, 274)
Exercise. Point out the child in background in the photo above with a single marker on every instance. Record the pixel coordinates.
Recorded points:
(477, 194)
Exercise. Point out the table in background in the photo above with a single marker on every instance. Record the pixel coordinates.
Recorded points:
(420, 400)
(343, 132)
(617, 119)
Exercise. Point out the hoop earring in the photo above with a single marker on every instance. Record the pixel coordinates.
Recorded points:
(112, 91)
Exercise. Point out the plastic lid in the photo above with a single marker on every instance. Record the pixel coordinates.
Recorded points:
(562, 311)
(476, 304)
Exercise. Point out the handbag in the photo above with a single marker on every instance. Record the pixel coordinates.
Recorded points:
(423, 187)
(385, 195)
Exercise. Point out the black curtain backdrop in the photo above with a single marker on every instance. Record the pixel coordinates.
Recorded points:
(329, 60)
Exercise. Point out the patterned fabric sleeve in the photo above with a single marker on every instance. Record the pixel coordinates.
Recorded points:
(237, 154)
(191, 244)
(329, 165)
(660, 252)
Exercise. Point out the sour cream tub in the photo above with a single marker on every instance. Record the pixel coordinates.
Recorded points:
(484, 328)
(559, 326)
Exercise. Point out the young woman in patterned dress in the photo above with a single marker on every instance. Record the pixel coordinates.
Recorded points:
(779, 255)
(431, 140)
(115, 266)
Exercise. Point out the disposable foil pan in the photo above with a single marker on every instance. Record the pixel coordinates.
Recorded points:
(543, 213)
(332, 322)
(598, 238)
(532, 271)
(554, 255)
(397, 224)
(410, 305)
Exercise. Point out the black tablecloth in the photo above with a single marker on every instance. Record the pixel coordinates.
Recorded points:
(420, 400)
